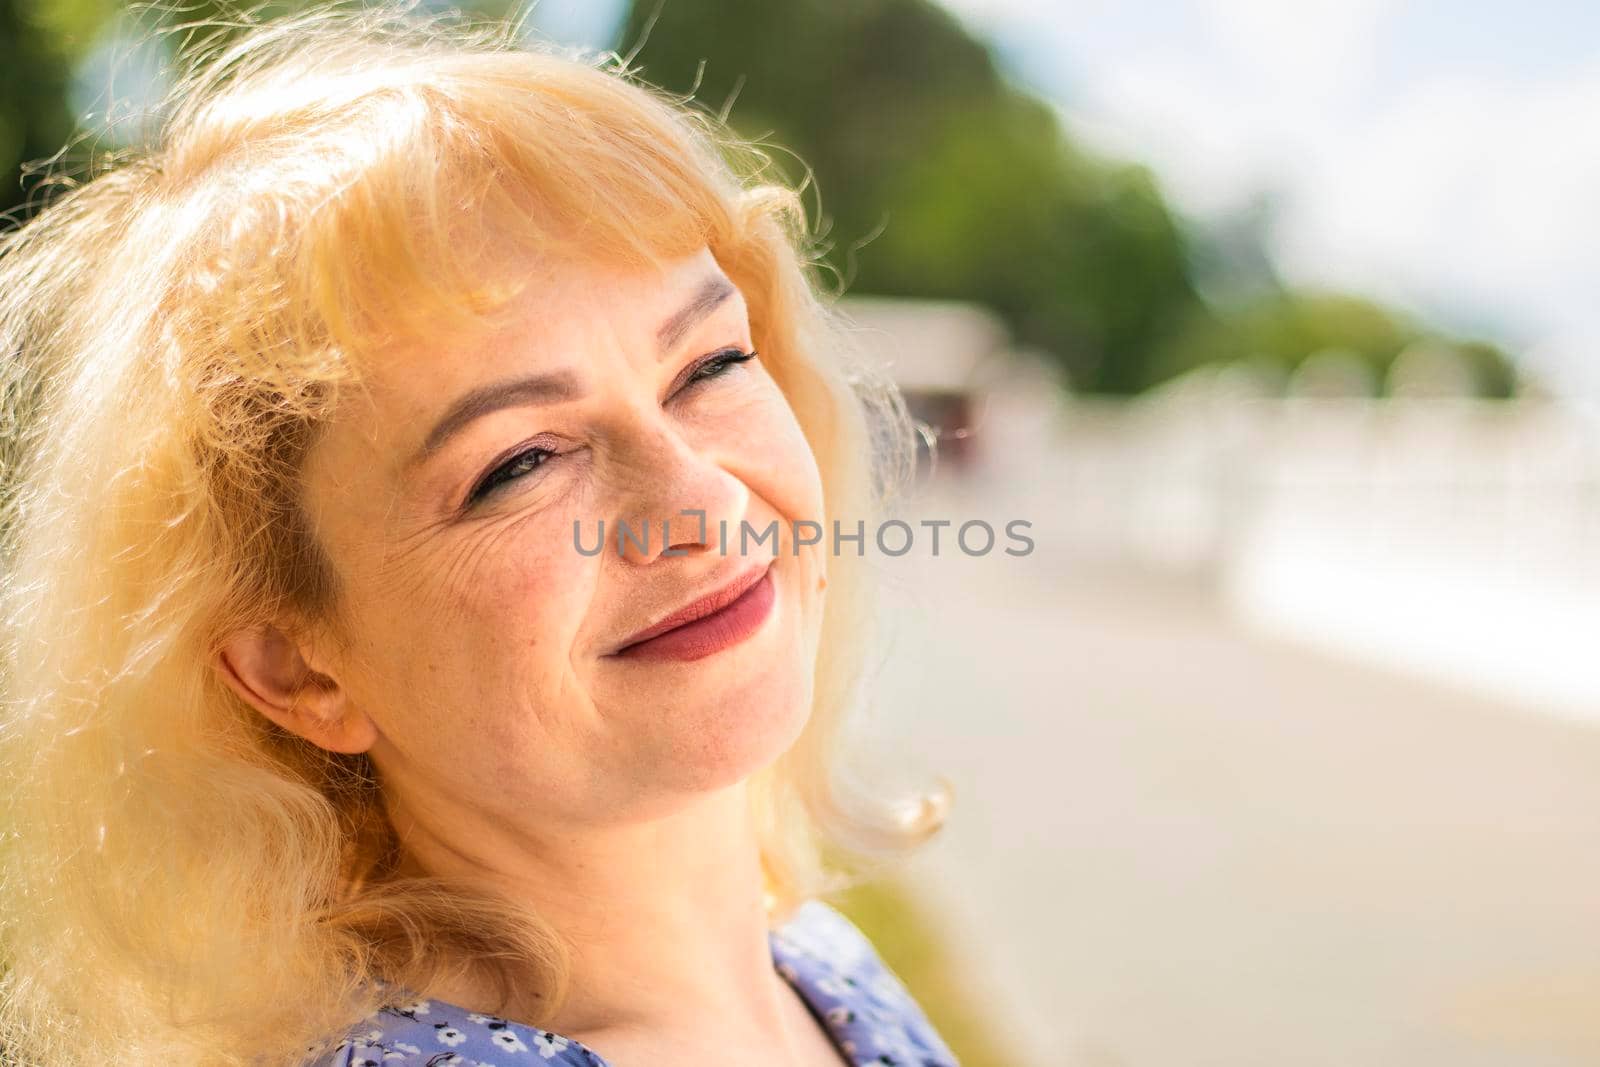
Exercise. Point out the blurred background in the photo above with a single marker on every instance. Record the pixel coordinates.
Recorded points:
(1277, 324)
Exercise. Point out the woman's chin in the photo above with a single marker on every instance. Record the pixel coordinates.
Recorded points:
(718, 742)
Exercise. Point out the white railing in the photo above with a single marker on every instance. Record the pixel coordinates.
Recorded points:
(1454, 536)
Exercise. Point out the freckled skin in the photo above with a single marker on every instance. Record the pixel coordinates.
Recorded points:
(480, 657)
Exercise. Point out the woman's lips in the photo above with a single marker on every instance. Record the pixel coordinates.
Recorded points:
(711, 633)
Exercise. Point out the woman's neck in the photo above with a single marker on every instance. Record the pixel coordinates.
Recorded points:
(665, 920)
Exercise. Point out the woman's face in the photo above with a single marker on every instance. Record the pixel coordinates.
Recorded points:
(484, 655)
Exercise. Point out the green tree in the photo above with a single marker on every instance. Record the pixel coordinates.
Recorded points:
(1283, 328)
(938, 179)
(34, 120)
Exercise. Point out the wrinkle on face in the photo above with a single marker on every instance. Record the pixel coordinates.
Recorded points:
(482, 633)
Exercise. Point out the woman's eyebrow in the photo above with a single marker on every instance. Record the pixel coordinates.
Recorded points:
(560, 385)
(533, 389)
(713, 291)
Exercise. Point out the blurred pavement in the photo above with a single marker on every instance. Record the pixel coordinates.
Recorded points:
(1179, 841)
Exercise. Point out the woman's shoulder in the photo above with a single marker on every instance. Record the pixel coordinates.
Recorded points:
(819, 950)
(817, 930)
(857, 994)
(431, 1033)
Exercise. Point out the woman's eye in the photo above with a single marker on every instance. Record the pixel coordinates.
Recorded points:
(718, 364)
(516, 467)
(526, 461)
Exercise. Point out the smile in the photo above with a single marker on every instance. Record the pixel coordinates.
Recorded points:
(712, 633)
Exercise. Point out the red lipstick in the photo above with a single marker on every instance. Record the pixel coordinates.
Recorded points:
(706, 626)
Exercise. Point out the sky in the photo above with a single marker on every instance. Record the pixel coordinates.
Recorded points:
(1444, 156)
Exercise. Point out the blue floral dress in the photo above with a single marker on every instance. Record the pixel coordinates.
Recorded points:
(862, 1005)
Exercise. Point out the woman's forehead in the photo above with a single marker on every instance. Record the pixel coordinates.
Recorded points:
(411, 384)
(652, 304)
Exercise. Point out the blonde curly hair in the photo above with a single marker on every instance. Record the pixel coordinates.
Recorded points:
(183, 880)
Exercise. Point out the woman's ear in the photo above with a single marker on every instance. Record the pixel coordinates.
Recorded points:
(270, 672)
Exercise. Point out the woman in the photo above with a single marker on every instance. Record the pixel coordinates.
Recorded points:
(330, 736)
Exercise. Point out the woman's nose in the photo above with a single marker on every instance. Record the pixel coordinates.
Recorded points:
(677, 498)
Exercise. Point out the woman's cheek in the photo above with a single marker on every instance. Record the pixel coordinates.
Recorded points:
(802, 497)
(789, 476)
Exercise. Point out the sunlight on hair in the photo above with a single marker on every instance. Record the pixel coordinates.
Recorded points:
(184, 881)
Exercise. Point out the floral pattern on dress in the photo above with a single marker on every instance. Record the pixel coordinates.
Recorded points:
(860, 1002)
